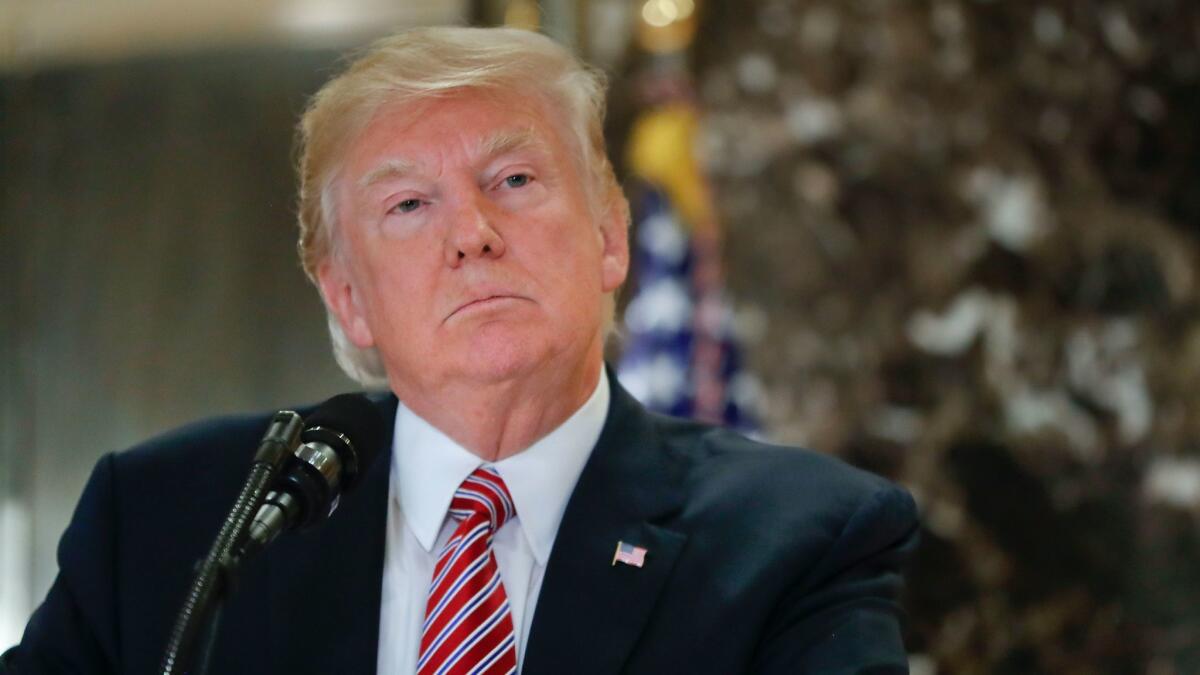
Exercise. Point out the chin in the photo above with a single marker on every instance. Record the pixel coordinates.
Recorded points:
(488, 369)
(494, 356)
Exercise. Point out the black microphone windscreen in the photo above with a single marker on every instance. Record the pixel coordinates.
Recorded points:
(356, 418)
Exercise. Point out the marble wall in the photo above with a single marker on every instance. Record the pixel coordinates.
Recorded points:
(964, 239)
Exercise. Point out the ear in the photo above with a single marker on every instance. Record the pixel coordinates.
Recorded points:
(614, 233)
(344, 301)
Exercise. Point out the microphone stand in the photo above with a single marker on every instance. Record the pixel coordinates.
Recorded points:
(201, 610)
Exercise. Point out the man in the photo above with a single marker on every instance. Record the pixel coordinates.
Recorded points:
(467, 235)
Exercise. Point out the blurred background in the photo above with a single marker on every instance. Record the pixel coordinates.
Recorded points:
(954, 242)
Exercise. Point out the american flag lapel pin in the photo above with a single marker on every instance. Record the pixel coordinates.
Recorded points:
(628, 554)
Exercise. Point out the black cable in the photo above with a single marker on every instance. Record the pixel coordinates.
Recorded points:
(201, 606)
(210, 640)
(211, 579)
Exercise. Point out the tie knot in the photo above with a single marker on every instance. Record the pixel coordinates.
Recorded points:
(483, 495)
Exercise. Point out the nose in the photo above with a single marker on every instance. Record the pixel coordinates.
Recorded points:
(471, 234)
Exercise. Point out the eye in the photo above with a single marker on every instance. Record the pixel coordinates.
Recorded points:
(406, 206)
(517, 180)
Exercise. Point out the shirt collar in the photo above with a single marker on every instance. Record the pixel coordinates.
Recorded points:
(429, 466)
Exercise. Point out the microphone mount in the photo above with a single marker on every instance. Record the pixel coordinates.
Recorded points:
(312, 480)
(200, 613)
(291, 485)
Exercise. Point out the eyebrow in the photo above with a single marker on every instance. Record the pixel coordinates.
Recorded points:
(389, 169)
(493, 146)
(510, 141)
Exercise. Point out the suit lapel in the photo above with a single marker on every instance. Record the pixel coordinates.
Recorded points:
(590, 612)
(326, 584)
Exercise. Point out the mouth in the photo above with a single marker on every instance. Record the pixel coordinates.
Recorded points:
(485, 303)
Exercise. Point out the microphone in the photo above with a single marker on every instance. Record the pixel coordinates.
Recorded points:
(329, 457)
(340, 441)
(281, 437)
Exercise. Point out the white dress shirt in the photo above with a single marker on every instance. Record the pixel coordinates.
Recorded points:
(427, 467)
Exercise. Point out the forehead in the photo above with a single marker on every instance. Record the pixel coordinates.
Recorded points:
(467, 125)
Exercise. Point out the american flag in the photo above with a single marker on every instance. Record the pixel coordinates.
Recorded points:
(681, 355)
(629, 554)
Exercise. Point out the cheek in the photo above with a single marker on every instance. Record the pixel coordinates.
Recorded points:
(571, 270)
(564, 264)
(391, 283)
(570, 232)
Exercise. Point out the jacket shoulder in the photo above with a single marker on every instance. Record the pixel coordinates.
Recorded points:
(199, 463)
(215, 439)
(734, 477)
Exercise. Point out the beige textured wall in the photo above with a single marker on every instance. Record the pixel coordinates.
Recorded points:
(34, 33)
(150, 276)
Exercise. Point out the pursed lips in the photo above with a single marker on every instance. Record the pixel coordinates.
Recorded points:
(483, 299)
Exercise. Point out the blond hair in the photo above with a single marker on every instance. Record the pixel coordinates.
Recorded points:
(423, 63)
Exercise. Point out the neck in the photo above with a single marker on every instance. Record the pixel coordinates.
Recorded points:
(499, 419)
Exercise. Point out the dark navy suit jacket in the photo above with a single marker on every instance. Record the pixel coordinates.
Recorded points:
(760, 560)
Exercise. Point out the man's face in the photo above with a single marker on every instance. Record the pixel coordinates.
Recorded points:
(468, 248)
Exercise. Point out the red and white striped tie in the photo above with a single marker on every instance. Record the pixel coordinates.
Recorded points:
(468, 624)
